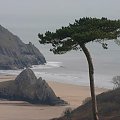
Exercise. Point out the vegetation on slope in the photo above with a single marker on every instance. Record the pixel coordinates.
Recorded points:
(108, 108)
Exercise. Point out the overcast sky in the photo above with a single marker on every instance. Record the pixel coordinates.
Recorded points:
(69, 8)
(28, 17)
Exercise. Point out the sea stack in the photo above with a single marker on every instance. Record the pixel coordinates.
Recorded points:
(26, 87)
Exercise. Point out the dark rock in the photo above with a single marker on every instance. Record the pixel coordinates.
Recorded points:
(14, 54)
(27, 87)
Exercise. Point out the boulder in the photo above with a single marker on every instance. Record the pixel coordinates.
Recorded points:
(26, 87)
(14, 54)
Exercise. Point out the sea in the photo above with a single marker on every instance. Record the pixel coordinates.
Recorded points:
(72, 67)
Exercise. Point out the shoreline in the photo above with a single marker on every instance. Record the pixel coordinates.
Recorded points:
(7, 77)
(74, 94)
(20, 110)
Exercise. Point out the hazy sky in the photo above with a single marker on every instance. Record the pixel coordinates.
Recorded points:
(28, 17)
(63, 8)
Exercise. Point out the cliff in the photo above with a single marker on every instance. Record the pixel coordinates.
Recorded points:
(14, 54)
(108, 108)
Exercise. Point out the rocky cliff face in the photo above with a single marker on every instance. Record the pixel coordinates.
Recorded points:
(14, 54)
(27, 87)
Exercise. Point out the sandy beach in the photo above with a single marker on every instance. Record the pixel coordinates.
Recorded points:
(19, 110)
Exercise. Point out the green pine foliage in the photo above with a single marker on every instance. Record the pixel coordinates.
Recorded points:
(81, 32)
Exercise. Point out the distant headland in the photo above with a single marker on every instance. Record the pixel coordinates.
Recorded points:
(14, 54)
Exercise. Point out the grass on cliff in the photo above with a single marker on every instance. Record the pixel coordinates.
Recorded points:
(108, 108)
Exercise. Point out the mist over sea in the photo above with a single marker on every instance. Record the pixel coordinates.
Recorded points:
(68, 68)
(72, 67)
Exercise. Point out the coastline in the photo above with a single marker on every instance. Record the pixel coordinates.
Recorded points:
(19, 110)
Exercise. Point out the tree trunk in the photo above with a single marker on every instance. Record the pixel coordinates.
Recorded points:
(91, 76)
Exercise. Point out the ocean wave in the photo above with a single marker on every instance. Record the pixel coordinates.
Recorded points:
(10, 72)
(48, 65)
(49, 74)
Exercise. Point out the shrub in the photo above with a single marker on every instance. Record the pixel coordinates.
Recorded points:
(67, 113)
(116, 82)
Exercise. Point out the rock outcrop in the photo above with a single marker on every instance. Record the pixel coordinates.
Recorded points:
(14, 54)
(26, 87)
